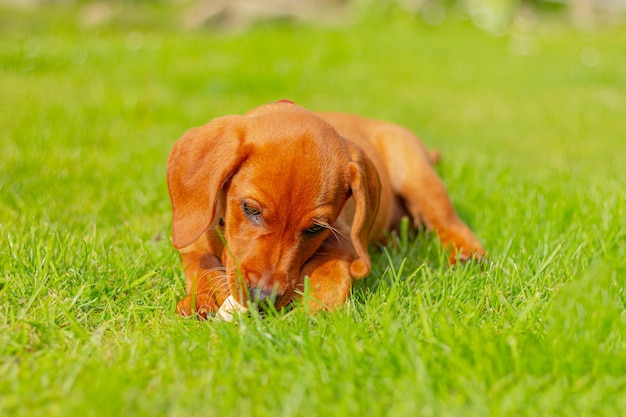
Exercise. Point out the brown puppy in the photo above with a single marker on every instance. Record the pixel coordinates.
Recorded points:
(263, 200)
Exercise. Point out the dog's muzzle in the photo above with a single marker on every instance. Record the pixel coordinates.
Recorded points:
(264, 298)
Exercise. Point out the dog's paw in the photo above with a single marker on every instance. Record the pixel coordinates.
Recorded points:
(474, 254)
(190, 307)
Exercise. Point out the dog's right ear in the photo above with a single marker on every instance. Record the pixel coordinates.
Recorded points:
(199, 165)
(365, 187)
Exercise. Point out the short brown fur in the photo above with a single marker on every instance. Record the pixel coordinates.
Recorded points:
(263, 200)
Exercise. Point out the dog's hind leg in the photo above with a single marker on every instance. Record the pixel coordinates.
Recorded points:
(415, 180)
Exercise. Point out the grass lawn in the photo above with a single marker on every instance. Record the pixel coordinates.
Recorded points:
(534, 155)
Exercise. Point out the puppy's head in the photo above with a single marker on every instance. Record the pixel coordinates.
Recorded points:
(274, 182)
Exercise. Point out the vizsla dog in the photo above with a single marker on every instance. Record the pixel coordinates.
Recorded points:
(263, 200)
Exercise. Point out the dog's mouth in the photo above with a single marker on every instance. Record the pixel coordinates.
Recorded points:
(231, 307)
(263, 299)
(262, 291)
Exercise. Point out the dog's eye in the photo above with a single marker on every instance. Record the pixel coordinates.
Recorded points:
(252, 212)
(315, 229)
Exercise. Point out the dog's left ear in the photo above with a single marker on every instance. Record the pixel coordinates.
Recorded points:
(365, 187)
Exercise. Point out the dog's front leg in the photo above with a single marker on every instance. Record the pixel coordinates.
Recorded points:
(329, 283)
(328, 272)
(206, 282)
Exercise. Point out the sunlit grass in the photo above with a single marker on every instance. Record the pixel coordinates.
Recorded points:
(533, 158)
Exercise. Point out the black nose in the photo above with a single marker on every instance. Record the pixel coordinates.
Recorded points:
(262, 297)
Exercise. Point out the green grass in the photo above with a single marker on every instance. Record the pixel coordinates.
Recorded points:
(534, 159)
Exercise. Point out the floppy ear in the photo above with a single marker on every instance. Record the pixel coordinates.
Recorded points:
(199, 165)
(365, 187)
